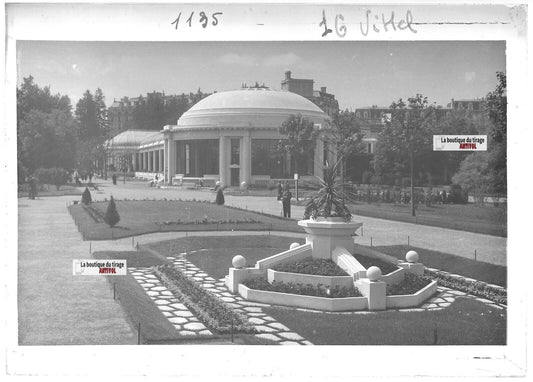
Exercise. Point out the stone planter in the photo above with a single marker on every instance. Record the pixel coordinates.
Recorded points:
(327, 234)
(412, 300)
(300, 278)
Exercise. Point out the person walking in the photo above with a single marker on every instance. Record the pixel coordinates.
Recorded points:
(286, 202)
(280, 190)
(114, 177)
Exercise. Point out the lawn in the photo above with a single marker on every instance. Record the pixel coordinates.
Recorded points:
(493, 274)
(140, 217)
(465, 322)
(222, 250)
(486, 219)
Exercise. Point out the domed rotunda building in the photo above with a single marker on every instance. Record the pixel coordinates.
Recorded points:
(233, 136)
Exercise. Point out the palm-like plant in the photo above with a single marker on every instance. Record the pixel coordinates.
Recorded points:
(329, 201)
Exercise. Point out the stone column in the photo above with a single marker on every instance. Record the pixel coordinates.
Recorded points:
(154, 168)
(222, 162)
(171, 158)
(319, 157)
(134, 161)
(246, 159)
(145, 166)
(160, 160)
(165, 168)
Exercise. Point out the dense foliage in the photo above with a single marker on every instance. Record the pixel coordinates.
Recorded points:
(55, 175)
(307, 289)
(312, 266)
(299, 136)
(476, 288)
(213, 312)
(410, 285)
(329, 200)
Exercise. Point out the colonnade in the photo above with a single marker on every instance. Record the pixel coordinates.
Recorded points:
(149, 161)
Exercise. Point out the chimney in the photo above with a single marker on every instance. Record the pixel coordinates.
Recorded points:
(288, 75)
(323, 89)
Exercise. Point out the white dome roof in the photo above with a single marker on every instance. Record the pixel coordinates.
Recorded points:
(254, 108)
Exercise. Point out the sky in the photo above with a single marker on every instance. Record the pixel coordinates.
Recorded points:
(359, 74)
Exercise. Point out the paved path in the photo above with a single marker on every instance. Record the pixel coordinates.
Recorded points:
(55, 307)
(491, 249)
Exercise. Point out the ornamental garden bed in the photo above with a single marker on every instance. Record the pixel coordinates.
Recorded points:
(213, 312)
(312, 266)
(411, 284)
(316, 280)
(367, 262)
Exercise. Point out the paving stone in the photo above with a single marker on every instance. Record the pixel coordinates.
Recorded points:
(444, 304)
(252, 309)
(202, 274)
(208, 285)
(152, 293)
(306, 342)
(257, 321)
(159, 288)
(177, 326)
(147, 285)
(432, 306)
(227, 299)
(178, 306)
(161, 302)
(195, 278)
(151, 277)
(196, 326)
(291, 336)
(268, 336)
(183, 313)
(165, 308)
(289, 343)
(187, 333)
(167, 314)
(205, 333)
(166, 293)
(234, 305)
(267, 329)
(436, 300)
(277, 325)
(137, 274)
(449, 299)
(178, 320)
(457, 293)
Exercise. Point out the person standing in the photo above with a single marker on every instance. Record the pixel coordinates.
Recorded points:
(280, 190)
(286, 201)
(114, 177)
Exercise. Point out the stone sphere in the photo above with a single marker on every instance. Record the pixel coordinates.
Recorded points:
(217, 183)
(373, 273)
(244, 185)
(411, 257)
(294, 245)
(239, 261)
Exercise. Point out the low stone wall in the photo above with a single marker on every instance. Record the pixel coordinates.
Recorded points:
(394, 277)
(307, 302)
(289, 255)
(412, 300)
(359, 249)
(299, 278)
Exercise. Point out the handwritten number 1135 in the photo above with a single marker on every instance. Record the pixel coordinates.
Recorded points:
(202, 19)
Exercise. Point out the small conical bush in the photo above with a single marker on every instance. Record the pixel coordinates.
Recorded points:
(86, 197)
(220, 197)
(111, 215)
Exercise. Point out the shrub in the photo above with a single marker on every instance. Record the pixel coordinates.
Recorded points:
(111, 215)
(220, 197)
(457, 196)
(301, 289)
(410, 285)
(311, 266)
(86, 196)
(366, 178)
(55, 175)
(213, 312)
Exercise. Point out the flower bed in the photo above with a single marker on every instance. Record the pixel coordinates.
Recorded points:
(94, 213)
(410, 285)
(367, 262)
(209, 221)
(312, 266)
(205, 305)
(476, 288)
(301, 289)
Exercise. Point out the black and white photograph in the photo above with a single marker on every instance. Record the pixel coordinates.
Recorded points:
(340, 178)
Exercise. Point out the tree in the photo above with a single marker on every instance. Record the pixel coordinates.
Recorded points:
(407, 136)
(474, 175)
(111, 216)
(55, 175)
(87, 118)
(300, 136)
(45, 129)
(497, 112)
(347, 136)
